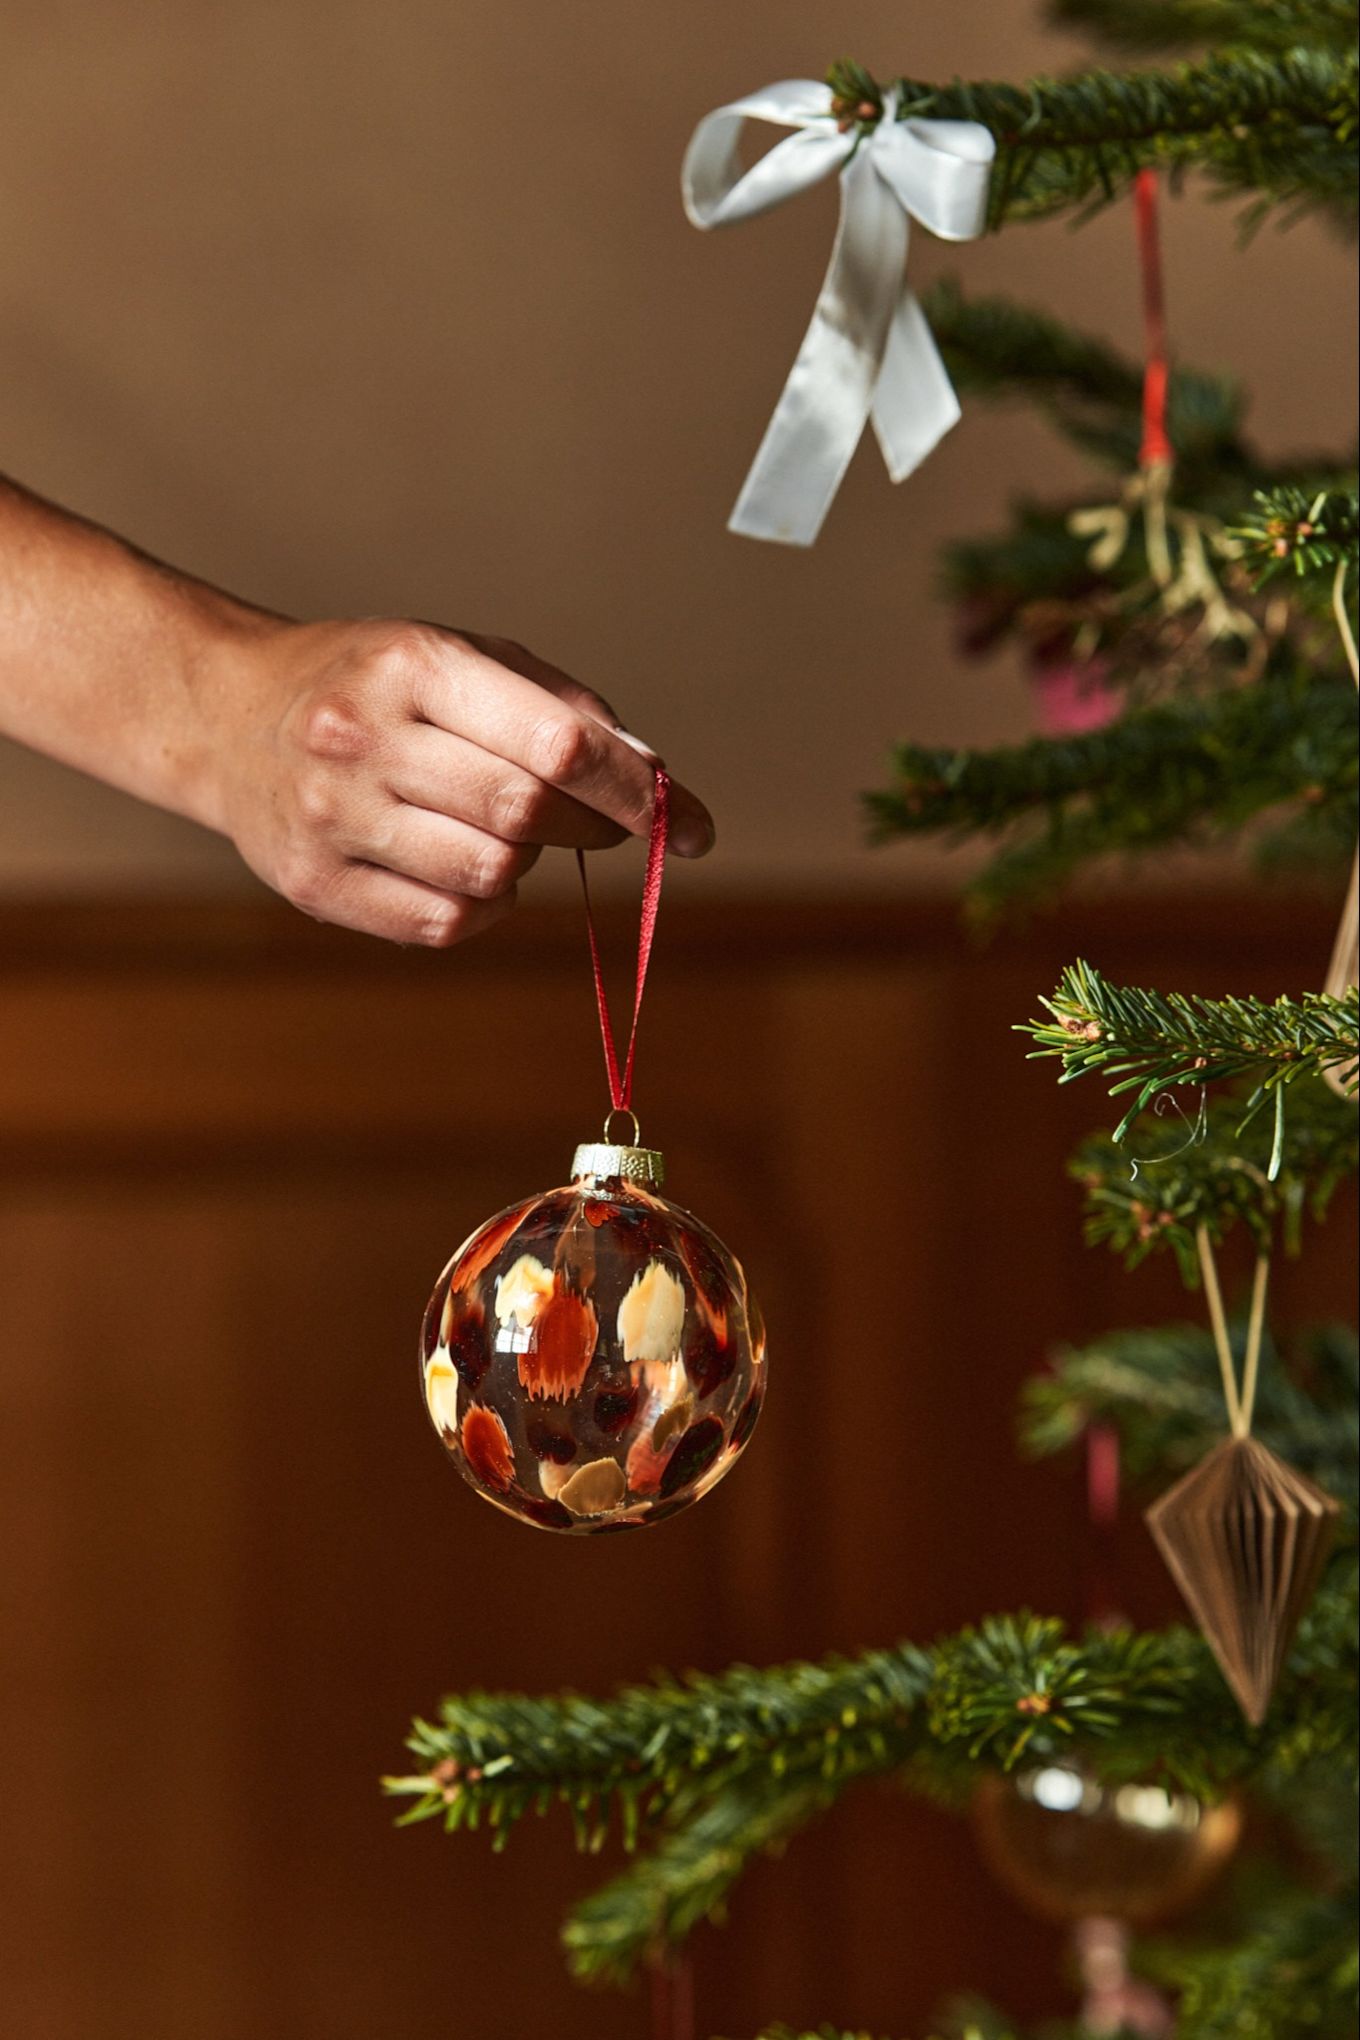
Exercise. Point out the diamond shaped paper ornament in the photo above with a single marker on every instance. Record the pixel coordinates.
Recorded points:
(1246, 1537)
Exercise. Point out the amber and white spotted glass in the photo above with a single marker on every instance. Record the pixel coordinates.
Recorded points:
(592, 1359)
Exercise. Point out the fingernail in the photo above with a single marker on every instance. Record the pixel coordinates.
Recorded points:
(652, 757)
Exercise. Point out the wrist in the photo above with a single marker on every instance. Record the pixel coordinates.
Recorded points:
(230, 665)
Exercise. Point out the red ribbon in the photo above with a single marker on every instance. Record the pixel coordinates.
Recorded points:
(1102, 1509)
(621, 1079)
(1156, 447)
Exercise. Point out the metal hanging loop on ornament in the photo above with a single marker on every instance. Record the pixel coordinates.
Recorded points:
(610, 1138)
(613, 1159)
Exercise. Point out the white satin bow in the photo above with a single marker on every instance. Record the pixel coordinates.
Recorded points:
(868, 351)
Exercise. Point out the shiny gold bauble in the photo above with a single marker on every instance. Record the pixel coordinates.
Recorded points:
(1069, 1847)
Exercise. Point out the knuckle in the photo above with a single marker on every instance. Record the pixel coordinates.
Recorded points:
(517, 810)
(398, 652)
(303, 879)
(404, 642)
(439, 925)
(333, 728)
(560, 749)
(314, 799)
(494, 870)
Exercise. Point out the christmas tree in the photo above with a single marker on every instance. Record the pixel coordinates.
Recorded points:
(1189, 628)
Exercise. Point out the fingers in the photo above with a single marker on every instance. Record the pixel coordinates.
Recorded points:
(450, 776)
(544, 674)
(448, 855)
(378, 902)
(416, 774)
(529, 724)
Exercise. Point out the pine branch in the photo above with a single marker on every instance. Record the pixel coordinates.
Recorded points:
(1280, 125)
(1303, 531)
(1091, 392)
(732, 1764)
(1150, 25)
(662, 1896)
(1214, 1172)
(500, 1756)
(1294, 1977)
(1198, 766)
(991, 1695)
(1151, 1042)
(1161, 1390)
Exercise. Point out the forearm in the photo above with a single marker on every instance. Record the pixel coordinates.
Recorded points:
(114, 663)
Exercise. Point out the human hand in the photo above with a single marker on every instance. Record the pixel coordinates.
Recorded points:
(400, 778)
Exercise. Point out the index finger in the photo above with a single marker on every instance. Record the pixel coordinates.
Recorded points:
(461, 689)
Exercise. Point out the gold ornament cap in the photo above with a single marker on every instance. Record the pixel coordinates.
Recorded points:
(628, 1161)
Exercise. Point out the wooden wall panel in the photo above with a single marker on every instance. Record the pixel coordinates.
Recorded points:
(234, 1151)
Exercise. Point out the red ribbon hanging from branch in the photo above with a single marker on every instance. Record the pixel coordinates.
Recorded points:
(1156, 446)
(621, 1077)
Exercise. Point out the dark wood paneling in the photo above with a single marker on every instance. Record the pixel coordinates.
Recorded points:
(236, 1150)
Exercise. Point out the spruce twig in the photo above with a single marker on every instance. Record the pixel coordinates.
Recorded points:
(1278, 124)
(1011, 1687)
(1199, 766)
(1305, 532)
(1150, 25)
(1154, 1191)
(1151, 1042)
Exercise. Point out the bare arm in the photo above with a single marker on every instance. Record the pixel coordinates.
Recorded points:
(393, 776)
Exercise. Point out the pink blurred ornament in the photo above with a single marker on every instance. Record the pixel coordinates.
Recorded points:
(1073, 695)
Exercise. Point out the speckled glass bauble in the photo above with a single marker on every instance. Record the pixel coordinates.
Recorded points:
(1069, 1847)
(591, 1359)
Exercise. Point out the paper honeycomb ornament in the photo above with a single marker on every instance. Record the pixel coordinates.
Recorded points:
(1246, 1537)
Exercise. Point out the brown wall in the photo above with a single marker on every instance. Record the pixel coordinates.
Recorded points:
(234, 1152)
(359, 307)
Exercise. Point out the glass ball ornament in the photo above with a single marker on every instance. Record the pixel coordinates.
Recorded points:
(592, 1359)
(1072, 1848)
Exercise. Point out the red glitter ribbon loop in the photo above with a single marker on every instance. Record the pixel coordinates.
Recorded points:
(621, 1079)
(1156, 446)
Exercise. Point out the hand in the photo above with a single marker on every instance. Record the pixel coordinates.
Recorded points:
(400, 778)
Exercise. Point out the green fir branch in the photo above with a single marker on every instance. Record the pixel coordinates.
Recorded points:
(1171, 1179)
(1196, 767)
(1150, 1042)
(1280, 125)
(1294, 1975)
(998, 349)
(700, 1757)
(1300, 531)
(1162, 1391)
(499, 1756)
(685, 1878)
(1134, 1709)
(1013, 1686)
(1148, 26)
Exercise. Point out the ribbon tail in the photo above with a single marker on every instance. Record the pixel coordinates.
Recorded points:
(826, 401)
(914, 402)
